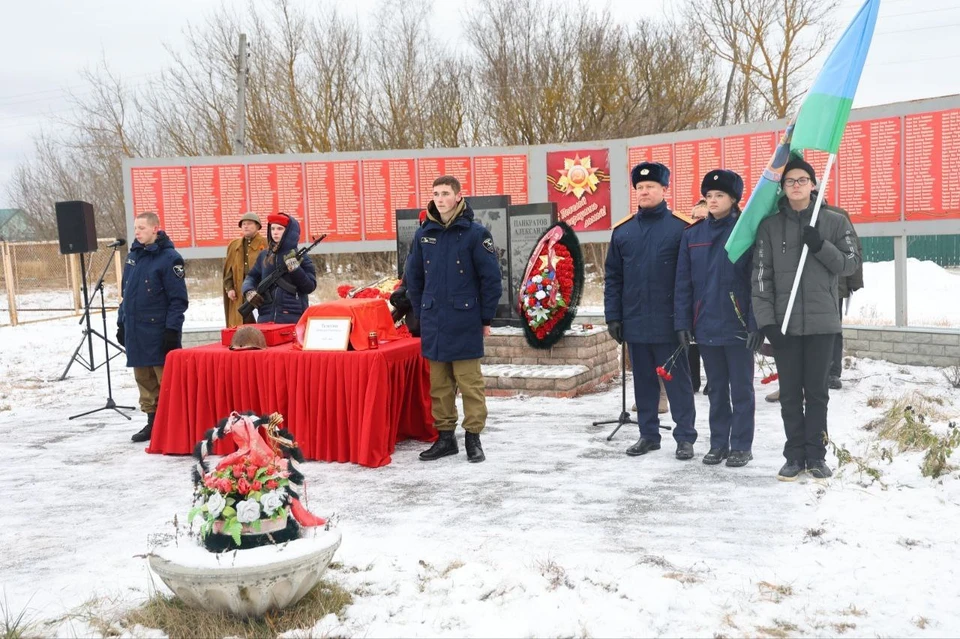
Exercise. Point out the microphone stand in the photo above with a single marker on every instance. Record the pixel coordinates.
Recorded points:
(624, 417)
(111, 404)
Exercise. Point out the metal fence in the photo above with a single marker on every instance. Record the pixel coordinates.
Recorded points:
(38, 283)
(941, 249)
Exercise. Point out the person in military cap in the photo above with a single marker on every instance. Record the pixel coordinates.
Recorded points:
(638, 306)
(712, 305)
(241, 254)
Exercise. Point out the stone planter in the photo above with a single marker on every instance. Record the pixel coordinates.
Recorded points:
(246, 583)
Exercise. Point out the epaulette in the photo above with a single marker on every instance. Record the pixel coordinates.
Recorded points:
(626, 219)
(681, 216)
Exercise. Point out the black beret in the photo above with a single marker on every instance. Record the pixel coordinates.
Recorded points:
(722, 180)
(650, 172)
(797, 162)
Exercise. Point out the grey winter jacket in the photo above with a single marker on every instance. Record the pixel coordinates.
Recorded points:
(776, 257)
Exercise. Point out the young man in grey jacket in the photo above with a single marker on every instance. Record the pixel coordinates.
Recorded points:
(805, 353)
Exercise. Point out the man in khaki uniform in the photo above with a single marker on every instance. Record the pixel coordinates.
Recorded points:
(241, 255)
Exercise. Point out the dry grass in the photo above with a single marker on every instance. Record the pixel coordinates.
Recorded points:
(779, 629)
(921, 622)
(844, 626)
(774, 592)
(554, 574)
(876, 400)
(13, 624)
(853, 611)
(683, 577)
(172, 616)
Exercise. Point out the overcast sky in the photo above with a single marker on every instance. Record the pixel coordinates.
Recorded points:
(46, 42)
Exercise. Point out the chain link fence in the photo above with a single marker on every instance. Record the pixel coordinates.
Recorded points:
(37, 283)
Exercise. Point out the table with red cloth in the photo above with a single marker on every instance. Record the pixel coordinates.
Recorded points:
(345, 406)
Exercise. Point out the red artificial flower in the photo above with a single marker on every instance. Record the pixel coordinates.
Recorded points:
(255, 486)
(224, 485)
(271, 484)
(664, 373)
(237, 470)
(243, 486)
(251, 472)
(343, 289)
(770, 378)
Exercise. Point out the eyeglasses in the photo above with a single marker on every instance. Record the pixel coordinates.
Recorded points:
(801, 181)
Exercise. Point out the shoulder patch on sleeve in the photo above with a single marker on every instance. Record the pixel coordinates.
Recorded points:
(488, 244)
(681, 216)
(178, 268)
(626, 219)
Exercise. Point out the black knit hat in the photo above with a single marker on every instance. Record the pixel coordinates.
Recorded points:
(722, 180)
(650, 172)
(797, 162)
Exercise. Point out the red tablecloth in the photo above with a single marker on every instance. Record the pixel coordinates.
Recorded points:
(341, 406)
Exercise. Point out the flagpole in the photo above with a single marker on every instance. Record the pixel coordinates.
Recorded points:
(803, 253)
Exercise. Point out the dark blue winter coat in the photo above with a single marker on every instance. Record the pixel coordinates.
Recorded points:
(705, 280)
(639, 275)
(154, 299)
(283, 306)
(453, 282)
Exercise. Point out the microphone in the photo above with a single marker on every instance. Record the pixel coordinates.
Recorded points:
(117, 242)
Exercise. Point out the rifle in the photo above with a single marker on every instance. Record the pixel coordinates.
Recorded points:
(353, 291)
(270, 280)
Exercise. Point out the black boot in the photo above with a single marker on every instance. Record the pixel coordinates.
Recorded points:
(474, 449)
(445, 445)
(144, 434)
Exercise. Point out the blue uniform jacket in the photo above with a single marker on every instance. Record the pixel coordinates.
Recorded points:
(639, 275)
(154, 299)
(705, 281)
(285, 306)
(453, 282)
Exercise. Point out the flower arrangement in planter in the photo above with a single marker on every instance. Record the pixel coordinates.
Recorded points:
(252, 497)
(551, 286)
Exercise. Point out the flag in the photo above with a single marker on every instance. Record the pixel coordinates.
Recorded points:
(763, 201)
(824, 112)
(819, 124)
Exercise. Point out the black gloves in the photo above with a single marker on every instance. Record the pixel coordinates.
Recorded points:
(616, 330)
(121, 334)
(811, 237)
(685, 338)
(413, 324)
(773, 335)
(171, 340)
(754, 341)
(400, 301)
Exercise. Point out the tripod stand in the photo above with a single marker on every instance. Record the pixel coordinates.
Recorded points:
(88, 338)
(624, 414)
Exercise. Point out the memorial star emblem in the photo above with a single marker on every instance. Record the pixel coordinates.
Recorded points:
(578, 176)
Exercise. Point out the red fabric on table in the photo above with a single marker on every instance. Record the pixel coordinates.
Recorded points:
(366, 315)
(340, 406)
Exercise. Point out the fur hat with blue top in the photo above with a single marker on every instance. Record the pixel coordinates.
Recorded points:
(650, 172)
(722, 180)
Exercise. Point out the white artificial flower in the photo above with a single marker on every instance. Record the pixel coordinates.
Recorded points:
(540, 295)
(271, 501)
(541, 314)
(248, 510)
(537, 278)
(216, 504)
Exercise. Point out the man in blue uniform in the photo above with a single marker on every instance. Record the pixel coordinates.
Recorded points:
(712, 307)
(453, 281)
(638, 306)
(150, 317)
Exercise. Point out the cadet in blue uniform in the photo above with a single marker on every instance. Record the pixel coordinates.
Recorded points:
(290, 297)
(453, 281)
(638, 306)
(712, 307)
(150, 317)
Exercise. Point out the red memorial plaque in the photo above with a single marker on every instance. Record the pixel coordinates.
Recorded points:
(219, 197)
(818, 160)
(748, 155)
(579, 182)
(163, 190)
(277, 188)
(333, 200)
(869, 180)
(387, 185)
(932, 165)
(692, 160)
(431, 168)
(662, 153)
(501, 175)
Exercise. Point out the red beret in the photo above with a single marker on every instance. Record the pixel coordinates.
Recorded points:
(282, 219)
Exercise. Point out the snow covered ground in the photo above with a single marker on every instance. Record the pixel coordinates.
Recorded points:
(558, 533)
